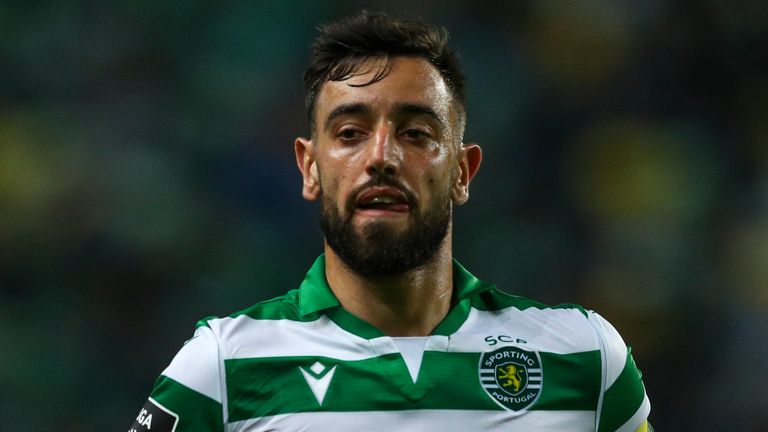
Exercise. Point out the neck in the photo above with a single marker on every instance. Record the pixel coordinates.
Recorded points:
(409, 304)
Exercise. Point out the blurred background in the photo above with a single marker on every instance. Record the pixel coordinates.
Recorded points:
(147, 180)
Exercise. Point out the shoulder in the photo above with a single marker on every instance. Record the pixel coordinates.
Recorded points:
(279, 311)
(564, 327)
(495, 300)
(197, 365)
(624, 404)
(260, 315)
(615, 350)
(282, 307)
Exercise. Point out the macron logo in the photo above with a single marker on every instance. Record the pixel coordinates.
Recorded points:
(318, 378)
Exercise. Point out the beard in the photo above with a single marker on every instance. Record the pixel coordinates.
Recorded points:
(379, 250)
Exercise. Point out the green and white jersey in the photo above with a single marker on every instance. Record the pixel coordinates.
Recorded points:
(497, 362)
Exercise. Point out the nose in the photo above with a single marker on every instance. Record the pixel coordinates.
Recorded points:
(384, 155)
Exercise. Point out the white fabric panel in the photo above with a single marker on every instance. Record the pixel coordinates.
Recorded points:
(421, 420)
(412, 350)
(615, 349)
(196, 365)
(245, 337)
(559, 331)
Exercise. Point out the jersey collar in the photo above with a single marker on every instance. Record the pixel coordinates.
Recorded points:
(315, 295)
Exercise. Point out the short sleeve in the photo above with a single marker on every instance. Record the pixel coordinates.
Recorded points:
(187, 396)
(624, 405)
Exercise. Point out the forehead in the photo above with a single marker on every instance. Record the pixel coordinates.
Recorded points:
(410, 81)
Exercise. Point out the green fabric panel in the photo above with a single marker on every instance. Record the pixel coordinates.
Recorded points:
(571, 381)
(454, 319)
(495, 299)
(623, 398)
(270, 386)
(315, 294)
(353, 324)
(282, 307)
(466, 283)
(197, 412)
(358, 327)
(262, 387)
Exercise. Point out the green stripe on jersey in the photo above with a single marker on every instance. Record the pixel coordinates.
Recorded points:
(197, 412)
(258, 387)
(571, 381)
(627, 391)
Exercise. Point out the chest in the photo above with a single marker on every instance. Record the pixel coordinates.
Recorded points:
(468, 381)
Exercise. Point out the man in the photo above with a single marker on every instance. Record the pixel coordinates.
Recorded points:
(387, 332)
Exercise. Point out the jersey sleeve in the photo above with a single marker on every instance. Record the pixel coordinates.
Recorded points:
(624, 405)
(187, 397)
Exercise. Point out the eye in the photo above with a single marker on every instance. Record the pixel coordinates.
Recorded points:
(416, 135)
(350, 134)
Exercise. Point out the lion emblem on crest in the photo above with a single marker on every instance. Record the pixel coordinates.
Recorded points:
(511, 377)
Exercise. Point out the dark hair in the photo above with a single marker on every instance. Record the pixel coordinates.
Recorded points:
(343, 47)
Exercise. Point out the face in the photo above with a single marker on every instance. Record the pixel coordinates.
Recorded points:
(387, 163)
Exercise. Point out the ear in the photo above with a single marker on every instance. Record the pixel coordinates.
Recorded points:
(469, 160)
(305, 159)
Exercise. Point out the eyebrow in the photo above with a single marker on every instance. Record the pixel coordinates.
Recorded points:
(345, 109)
(418, 109)
(402, 108)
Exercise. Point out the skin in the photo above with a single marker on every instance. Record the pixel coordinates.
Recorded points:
(406, 126)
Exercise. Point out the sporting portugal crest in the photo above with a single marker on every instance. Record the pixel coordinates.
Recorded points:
(511, 376)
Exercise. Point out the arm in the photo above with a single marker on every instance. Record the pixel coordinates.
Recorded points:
(187, 397)
(624, 405)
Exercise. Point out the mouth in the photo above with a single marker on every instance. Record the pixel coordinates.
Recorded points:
(382, 201)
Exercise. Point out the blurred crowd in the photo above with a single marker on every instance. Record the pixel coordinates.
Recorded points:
(147, 180)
